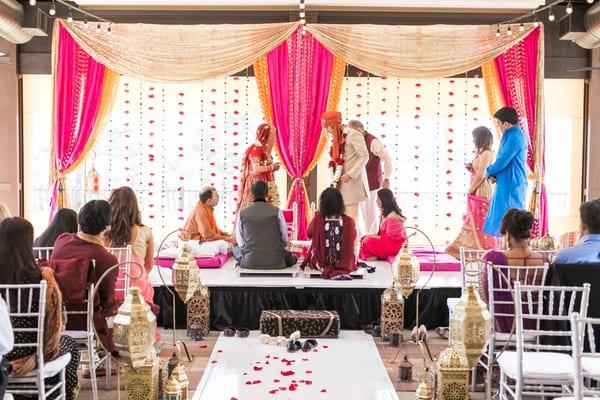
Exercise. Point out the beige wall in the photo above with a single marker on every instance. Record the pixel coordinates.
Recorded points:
(9, 143)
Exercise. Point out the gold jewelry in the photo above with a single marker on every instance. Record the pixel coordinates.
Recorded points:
(91, 238)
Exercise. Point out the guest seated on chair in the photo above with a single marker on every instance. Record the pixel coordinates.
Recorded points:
(587, 251)
(201, 224)
(261, 233)
(18, 267)
(126, 228)
(7, 342)
(392, 234)
(75, 251)
(516, 228)
(64, 221)
(333, 234)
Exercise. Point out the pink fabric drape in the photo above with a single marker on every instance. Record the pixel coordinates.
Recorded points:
(78, 84)
(518, 70)
(299, 77)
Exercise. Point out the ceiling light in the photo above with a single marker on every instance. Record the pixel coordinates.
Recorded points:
(70, 17)
(509, 31)
(590, 1)
(109, 30)
(32, 2)
(302, 14)
(498, 31)
(302, 6)
(52, 9)
(569, 9)
(551, 16)
(521, 27)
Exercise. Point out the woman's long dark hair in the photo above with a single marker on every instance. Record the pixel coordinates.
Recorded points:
(17, 263)
(124, 214)
(483, 139)
(65, 221)
(388, 202)
(331, 203)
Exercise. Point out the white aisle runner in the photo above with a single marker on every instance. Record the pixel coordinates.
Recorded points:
(347, 368)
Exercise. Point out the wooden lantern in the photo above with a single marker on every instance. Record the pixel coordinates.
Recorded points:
(452, 376)
(134, 329)
(198, 314)
(392, 312)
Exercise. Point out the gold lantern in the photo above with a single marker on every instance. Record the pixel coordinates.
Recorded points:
(392, 312)
(163, 376)
(134, 329)
(142, 383)
(182, 380)
(172, 390)
(185, 275)
(544, 243)
(424, 391)
(452, 376)
(198, 314)
(470, 325)
(406, 270)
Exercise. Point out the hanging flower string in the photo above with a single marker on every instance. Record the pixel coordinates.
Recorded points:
(181, 147)
(416, 149)
(151, 120)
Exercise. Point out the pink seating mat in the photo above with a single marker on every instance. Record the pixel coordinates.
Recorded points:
(204, 262)
(443, 261)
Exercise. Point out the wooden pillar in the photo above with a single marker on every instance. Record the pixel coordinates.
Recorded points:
(10, 182)
(592, 159)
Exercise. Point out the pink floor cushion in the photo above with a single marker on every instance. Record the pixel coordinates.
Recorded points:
(204, 262)
(443, 261)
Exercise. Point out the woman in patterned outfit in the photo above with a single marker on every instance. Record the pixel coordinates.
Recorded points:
(17, 266)
(333, 234)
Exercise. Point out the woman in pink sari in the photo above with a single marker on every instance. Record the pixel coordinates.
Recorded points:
(471, 235)
(258, 165)
(392, 234)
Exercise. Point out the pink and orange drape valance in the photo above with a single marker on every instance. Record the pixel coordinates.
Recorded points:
(297, 82)
(84, 91)
(516, 78)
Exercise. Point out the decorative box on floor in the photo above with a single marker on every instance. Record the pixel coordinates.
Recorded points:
(325, 324)
(142, 383)
(198, 314)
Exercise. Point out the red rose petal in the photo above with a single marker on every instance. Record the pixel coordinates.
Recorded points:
(308, 371)
(287, 373)
(213, 362)
(276, 380)
(256, 382)
(219, 351)
(323, 390)
(273, 391)
(248, 383)
(325, 346)
(258, 368)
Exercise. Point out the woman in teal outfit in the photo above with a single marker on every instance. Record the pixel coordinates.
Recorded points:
(508, 171)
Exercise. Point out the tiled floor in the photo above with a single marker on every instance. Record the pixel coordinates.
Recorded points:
(201, 352)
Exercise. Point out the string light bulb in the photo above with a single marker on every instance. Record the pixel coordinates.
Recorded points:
(590, 1)
(509, 31)
(302, 14)
(70, 17)
(569, 9)
(32, 2)
(521, 27)
(85, 21)
(302, 5)
(498, 31)
(98, 28)
(551, 16)
(52, 9)
(109, 29)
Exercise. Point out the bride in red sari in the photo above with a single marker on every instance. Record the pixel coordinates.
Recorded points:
(471, 235)
(258, 165)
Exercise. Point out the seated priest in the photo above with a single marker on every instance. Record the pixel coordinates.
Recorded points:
(261, 233)
(201, 224)
(333, 235)
(587, 250)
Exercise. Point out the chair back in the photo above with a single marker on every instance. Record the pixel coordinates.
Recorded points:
(548, 310)
(500, 288)
(27, 302)
(123, 255)
(42, 253)
(584, 328)
(470, 264)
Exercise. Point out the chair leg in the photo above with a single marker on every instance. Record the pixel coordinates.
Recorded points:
(63, 385)
(41, 385)
(107, 377)
(93, 366)
(502, 385)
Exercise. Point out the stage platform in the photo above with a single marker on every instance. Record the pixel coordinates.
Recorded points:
(348, 367)
(238, 300)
